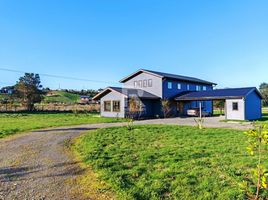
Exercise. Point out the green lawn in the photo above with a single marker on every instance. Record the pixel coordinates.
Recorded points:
(62, 97)
(14, 123)
(168, 162)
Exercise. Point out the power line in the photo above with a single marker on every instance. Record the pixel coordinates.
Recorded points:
(58, 76)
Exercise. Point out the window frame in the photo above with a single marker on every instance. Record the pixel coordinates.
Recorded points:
(169, 85)
(104, 106)
(119, 105)
(145, 83)
(135, 84)
(188, 87)
(235, 108)
(140, 83)
(204, 88)
(150, 83)
(179, 86)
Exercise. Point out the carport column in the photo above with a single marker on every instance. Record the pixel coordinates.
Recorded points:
(200, 109)
(225, 109)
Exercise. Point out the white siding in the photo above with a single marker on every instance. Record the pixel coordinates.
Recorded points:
(235, 114)
(156, 88)
(113, 96)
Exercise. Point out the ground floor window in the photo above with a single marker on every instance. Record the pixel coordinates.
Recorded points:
(235, 105)
(107, 106)
(116, 106)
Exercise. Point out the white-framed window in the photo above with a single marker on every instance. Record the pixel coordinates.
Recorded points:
(188, 87)
(179, 86)
(150, 83)
(204, 88)
(144, 83)
(140, 83)
(169, 85)
(235, 106)
(116, 106)
(135, 84)
(107, 106)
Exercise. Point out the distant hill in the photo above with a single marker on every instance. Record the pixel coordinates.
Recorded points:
(61, 97)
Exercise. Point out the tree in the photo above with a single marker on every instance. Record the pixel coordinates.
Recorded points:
(257, 146)
(134, 111)
(264, 91)
(28, 90)
(166, 107)
(219, 104)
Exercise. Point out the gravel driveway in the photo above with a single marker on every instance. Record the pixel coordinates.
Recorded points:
(37, 165)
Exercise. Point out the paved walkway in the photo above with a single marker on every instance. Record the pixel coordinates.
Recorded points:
(37, 165)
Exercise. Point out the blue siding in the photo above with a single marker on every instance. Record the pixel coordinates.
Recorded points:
(169, 93)
(253, 106)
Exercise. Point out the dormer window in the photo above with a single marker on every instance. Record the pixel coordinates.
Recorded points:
(169, 85)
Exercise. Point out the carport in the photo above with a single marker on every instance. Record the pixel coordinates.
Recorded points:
(240, 103)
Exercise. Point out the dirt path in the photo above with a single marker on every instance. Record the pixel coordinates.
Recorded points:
(37, 165)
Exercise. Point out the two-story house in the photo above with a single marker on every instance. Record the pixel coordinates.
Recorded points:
(149, 88)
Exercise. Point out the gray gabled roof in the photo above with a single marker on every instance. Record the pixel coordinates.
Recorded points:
(127, 92)
(167, 75)
(230, 93)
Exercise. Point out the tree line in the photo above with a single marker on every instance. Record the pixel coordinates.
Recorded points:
(29, 91)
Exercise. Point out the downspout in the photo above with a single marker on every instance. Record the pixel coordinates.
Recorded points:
(245, 110)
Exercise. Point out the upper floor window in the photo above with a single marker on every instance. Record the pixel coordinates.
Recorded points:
(204, 88)
(135, 84)
(197, 88)
(140, 83)
(150, 83)
(144, 83)
(169, 85)
(179, 86)
(188, 87)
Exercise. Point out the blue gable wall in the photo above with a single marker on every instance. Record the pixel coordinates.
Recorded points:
(253, 106)
(169, 93)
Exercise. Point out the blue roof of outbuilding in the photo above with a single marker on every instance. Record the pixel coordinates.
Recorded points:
(230, 93)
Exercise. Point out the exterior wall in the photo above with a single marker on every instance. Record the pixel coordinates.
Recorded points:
(156, 88)
(253, 106)
(169, 93)
(113, 96)
(231, 114)
(207, 106)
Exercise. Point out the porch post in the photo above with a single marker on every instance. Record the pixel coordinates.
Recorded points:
(200, 109)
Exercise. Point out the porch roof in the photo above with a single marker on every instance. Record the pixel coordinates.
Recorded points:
(127, 92)
(219, 94)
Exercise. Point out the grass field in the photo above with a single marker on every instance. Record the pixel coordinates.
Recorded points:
(168, 162)
(14, 123)
(62, 97)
